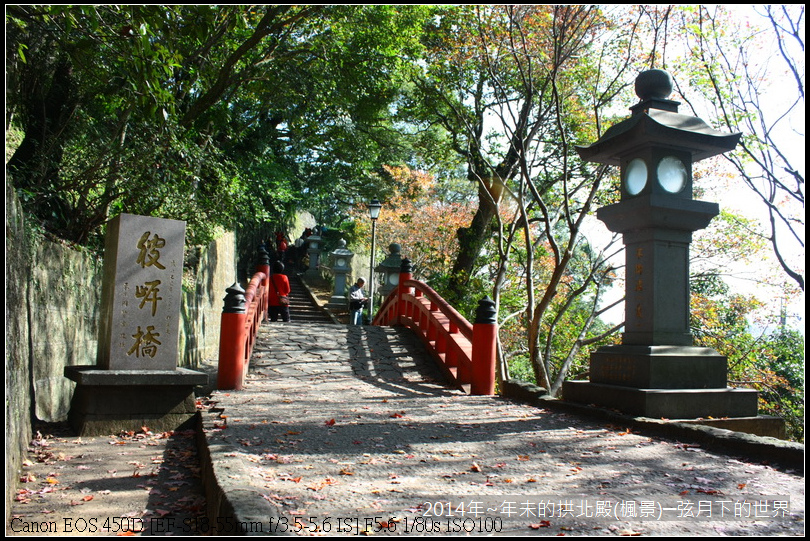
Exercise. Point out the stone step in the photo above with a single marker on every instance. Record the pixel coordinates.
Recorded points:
(303, 308)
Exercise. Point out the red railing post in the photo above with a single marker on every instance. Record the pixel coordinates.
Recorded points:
(232, 340)
(485, 335)
(405, 274)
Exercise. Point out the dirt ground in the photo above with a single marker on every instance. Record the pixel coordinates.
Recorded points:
(142, 483)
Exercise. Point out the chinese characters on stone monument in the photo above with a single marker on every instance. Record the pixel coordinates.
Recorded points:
(143, 269)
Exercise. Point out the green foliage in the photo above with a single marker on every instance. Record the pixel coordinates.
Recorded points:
(773, 364)
(785, 396)
(209, 114)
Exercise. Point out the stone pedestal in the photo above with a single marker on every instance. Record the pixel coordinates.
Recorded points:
(110, 401)
(673, 382)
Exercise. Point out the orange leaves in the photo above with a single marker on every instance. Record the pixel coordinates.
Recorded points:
(330, 422)
(418, 220)
(322, 484)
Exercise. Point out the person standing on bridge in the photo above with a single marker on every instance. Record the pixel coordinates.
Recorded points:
(357, 301)
(278, 300)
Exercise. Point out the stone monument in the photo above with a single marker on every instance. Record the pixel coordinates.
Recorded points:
(136, 381)
(657, 371)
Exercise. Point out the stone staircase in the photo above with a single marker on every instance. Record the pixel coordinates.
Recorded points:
(303, 309)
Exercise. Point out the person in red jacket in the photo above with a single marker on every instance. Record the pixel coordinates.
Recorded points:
(281, 246)
(278, 302)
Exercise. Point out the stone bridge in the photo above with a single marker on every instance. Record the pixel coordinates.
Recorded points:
(343, 430)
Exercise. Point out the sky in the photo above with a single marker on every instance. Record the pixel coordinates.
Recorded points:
(732, 195)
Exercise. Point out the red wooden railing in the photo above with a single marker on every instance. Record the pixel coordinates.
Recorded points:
(465, 352)
(244, 312)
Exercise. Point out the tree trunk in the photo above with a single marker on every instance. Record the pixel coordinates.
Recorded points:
(471, 241)
(48, 112)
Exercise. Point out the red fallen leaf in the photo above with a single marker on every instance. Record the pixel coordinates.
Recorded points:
(330, 422)
(523, 457)
(396, 416)
(709, 491)
(541, 524)
(318, 486)
(87, 498)
(741, 485)
(475, 467)
(683, 493)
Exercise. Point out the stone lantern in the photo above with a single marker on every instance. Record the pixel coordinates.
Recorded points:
(341, 266)
(657, 371)
(389, 268)
(313, 244)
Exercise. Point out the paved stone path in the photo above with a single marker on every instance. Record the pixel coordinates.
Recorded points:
(344, 430)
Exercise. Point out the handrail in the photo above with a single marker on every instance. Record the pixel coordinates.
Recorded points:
(244, 312)
(465, 352)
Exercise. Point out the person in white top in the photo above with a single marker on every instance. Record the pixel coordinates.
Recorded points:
(357, 301)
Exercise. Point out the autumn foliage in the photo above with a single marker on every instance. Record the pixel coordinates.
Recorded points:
(420, 219)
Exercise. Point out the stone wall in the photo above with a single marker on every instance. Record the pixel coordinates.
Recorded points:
(53, 300)
(18, 372)
(202, 302)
